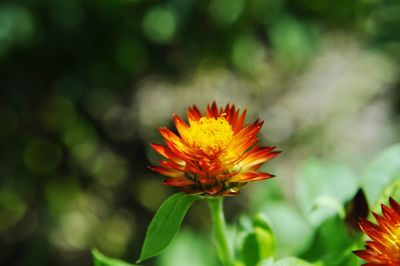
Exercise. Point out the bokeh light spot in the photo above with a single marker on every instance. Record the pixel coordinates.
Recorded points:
(62, 193)
(74, 231)
(17, 27)
(109, 169)
(160, 24)
(248, 54)
(12, 208)
(292, 41)
(226, 12)
(115, 233)
(82, 140)
(145, 190)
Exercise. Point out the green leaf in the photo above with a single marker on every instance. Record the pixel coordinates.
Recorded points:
(259, 242)
(165, 224)
(267, 262)
(189, 246)
(381, 173)
(322, 189)
(265, 237)
(292, 231)
(333, 244)
(101, 260)
(250, 250)
(393, 190)
(291, 261)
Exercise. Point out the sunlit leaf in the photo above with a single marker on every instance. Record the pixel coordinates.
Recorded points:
(292, 231)
(323, 187)
(333, 244)
(381, 173)
(189, 246)
(393, 190)
(165, 224)
(291, 261)
(258, 241)
(265, 237)
(100, 259)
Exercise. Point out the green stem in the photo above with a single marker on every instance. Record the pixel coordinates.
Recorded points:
(217, 213)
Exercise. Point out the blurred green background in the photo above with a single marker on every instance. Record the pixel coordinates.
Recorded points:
(84, 85)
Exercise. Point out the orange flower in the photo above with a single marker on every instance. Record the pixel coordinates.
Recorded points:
(214, 154)
(384, 247)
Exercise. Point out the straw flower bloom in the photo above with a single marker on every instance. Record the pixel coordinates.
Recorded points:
(214, 154)
(384, 247)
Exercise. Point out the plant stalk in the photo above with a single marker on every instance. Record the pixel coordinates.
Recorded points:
(218, 218)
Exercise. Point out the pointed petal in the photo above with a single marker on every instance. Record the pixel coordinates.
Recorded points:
(250, 176)
(193, 113)
(173, 165)
(180, 125)
(175, 144)
(258, 157)
(394, 205)
(166, 171)
(165, 151)
(168, 135)
(212, 111)
(178, 182)
(237, 125)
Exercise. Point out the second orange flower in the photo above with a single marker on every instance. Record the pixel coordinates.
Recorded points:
(213, 154)
(384, 246)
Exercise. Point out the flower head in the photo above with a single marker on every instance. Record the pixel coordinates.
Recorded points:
(214, 154)
(384, 247)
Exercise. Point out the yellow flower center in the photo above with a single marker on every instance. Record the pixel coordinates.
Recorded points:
(210, 135)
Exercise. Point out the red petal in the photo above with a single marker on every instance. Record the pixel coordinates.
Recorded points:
(178, 182)
(232, 115)
(193, 113)
(166, 171)
(371, 229)
(173, 165)
(250, 176)
(206, 180)
(175, 144)
(212, 112)
(194, 169)
(239, 147)
(227, 110)
(215, 190)
(180, 125)
(237, 125)
(394, 205)
(165, 151)
(364, 254)
(258, 157)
